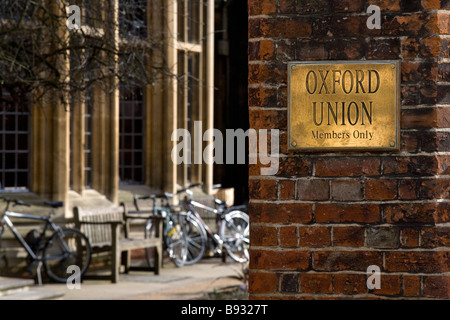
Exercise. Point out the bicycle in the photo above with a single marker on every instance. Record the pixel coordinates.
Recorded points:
(64, 247)
(232, 228)
(174, 229)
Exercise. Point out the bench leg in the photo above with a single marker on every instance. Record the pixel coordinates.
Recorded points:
(158, 259)
(126, 260)
(115, 264)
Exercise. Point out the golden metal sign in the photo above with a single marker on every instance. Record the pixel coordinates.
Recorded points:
(344, 105)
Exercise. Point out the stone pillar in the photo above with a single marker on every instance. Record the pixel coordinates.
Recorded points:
(170, 97)
(50, 147)
(324, 218)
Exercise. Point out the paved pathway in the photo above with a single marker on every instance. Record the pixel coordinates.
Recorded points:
(188, 282)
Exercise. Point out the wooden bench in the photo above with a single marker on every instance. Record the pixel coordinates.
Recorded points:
(108, 230)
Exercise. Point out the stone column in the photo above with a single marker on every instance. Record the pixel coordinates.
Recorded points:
(50, 149)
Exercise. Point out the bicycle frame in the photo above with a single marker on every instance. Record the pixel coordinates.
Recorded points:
(18, 236)
(191, 205)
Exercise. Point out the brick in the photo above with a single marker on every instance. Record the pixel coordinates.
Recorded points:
(260, 7)
(444, 72)
(263, 282)
(311, 6)
(386, 238)
(263, 189)
(261, 50)
(346, 190)
(412, 213)
(347, 6)
(413, 72)
(294, 166)
(288, 6)
(411, 286)
(409, 238)
(346, 213)
(346, 260)
(410, 166)
(312, 189)
(263, 236)
(431, 4)
(410, 95)
(287, 190)
(338, 167)
(435, 189)
(417, 261)
(348, 236)
(409, 141)
(433, 48)
(346, 49)
(262, 97)
(411, 5)
(436, 286)
(316, 283)
(280, 213)
(311, 50)
(428, 93)
(268, 73)
(435, 237)
(410, 48)
(443, 23)
(338, 26)
(290, 282)
(283, 28)
(432, 141)
(268, 119)
(405, 25)
(350, 284)
(387, 5)
(315, 236)
(407, 189)
(443, 94)
(288, 236)
(391, 285)
(384, 49)
(279, 260)
(286, 50)
(381, 189)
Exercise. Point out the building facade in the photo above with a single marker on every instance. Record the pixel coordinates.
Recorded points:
(113, 132)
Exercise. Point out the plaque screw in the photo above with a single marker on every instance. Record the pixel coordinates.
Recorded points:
(294, 144)
(392, 144)
(393, 66)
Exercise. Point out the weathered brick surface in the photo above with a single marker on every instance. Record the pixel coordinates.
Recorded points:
(323, 218)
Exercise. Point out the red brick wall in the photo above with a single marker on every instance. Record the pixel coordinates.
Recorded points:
(325, 217)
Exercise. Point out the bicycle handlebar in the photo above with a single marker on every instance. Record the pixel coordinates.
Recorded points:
(165, 195)
(15, 201)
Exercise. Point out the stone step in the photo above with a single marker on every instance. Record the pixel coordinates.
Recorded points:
(9, 286)
(25, 289)
(35, 293)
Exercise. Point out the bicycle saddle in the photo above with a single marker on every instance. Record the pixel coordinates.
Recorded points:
(220, 202)
(54, 204)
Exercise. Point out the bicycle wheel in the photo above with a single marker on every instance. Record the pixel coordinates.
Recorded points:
(176, 239)
(196, 239)
(65, 248)
(149, 233)
(235, 233)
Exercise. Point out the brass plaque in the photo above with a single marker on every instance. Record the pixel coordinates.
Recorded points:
(344, 105)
